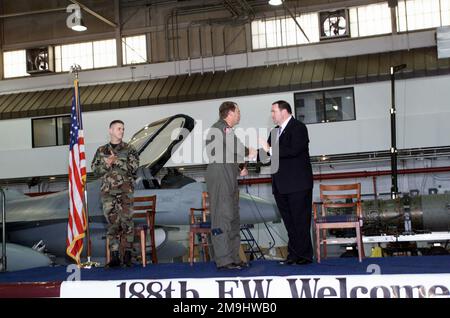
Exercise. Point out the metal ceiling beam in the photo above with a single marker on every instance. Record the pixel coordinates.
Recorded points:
(19, 14)
(230, 7)
(95, 14)
(294, 18)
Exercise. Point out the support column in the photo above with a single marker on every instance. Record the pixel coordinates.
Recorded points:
(118, 32)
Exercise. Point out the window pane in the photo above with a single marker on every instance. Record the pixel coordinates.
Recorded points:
(79, 53)
(284, 31)
(271, 33)
(44, 132)
(105, 53)
(353, 16)
(420, 14)
(58, 59)
(258, 34)
(289, 30)
(299, 104)
(401, 16)
(63, 124)
(310, 24)
(253, 27)
(134, 49)
(332, 107)
(262, 34)
(339, 105)
(445, 12)
(309, 107)
(371, 20)
(15, 64)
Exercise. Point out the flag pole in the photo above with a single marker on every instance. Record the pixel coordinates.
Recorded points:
(74, 69)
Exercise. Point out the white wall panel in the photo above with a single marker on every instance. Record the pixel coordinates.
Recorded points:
(423, 116)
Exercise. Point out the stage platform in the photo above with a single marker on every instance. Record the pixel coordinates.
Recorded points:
(389, 277)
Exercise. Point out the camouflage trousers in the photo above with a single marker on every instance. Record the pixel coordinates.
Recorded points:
(117, 211)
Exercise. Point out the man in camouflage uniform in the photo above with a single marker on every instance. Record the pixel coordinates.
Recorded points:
(225, 153)
(116, 163)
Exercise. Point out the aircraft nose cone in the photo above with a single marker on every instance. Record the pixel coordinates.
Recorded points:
(21, 258)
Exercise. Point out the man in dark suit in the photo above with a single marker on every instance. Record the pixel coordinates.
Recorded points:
(292, 180)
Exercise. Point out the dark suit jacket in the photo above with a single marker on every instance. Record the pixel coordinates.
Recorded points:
(294, 172)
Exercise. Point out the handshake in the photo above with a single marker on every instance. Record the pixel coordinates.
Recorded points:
(253, 153)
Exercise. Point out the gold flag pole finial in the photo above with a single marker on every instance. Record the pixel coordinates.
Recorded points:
(74, 70)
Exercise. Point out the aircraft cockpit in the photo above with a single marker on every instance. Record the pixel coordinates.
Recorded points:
(155, 144)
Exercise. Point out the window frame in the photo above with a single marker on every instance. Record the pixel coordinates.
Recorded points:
(280, 23)
(323, 92)
(59, 65)
(55, 118)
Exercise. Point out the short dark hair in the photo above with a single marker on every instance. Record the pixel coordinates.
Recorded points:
(282, 104)
(116, 121)
(225, 108)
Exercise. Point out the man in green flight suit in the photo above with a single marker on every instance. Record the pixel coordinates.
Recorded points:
(225, 153)
(116, 163)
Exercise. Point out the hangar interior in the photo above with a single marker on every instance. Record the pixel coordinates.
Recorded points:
(332, 60)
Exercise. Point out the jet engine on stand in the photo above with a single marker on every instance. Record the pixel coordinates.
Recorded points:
(404, 221)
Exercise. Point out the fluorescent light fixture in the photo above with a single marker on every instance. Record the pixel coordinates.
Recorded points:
(275, 2)
(79, 24)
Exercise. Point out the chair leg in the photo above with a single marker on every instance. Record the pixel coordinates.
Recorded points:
(318, 244)
(191, 248)
(153, 244)
(363, 254)
(205, 246)
(143, 254)
(324, 235)
(359, 243)
(108, 255)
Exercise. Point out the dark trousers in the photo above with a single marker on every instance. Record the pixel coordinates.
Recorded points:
(295, 209)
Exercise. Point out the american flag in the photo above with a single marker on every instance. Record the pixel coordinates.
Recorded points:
(77, 179)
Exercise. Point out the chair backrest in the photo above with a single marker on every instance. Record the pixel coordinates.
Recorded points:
(148, 206)
(205, 205)
(341, 196)
(200, 214)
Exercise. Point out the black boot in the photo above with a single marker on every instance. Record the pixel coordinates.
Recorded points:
(127, 259)
(115, 260)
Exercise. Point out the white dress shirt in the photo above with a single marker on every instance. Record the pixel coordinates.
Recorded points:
(282, 127)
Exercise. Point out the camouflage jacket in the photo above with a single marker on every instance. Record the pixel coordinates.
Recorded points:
(120, 176)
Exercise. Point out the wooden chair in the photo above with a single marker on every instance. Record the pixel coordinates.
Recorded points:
(143, 207)
(200, 226)
(337, 197)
